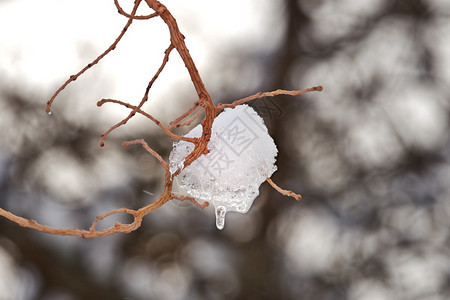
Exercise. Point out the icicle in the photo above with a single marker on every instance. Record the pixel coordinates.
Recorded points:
(221, 211)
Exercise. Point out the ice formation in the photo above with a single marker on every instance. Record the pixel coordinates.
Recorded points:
(242, 155)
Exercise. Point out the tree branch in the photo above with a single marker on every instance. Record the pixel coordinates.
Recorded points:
(204, 103)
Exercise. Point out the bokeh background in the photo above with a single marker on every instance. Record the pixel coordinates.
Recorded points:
(370, 154)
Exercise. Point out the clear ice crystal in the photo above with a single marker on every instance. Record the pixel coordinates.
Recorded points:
(221, 211)
(242, 155)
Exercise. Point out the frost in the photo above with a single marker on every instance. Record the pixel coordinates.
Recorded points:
(242, 155)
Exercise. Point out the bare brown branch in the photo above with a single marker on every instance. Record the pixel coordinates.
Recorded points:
(204, 103)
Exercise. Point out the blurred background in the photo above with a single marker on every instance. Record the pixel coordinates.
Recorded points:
(370, 154)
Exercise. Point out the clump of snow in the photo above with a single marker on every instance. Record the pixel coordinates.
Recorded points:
(242, 155)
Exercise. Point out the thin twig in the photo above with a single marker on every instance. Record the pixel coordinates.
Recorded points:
(284, 192)
(269, 94)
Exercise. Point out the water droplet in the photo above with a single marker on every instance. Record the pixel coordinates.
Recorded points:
(220, 217)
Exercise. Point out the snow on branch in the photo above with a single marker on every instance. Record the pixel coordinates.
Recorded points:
(223, 160)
